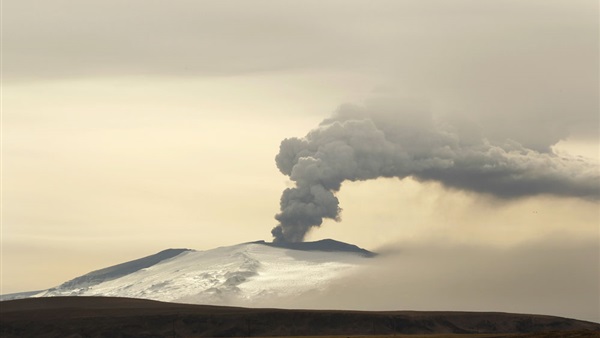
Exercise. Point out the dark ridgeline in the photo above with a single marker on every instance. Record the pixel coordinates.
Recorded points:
(327, 245)
(106, 274)
(123, 317)
(123, 269)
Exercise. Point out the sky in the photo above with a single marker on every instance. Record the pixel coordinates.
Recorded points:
(132, 127)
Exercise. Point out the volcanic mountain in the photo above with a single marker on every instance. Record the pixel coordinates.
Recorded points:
(242, 274)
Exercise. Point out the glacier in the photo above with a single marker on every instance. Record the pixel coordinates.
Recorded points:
(244, 274)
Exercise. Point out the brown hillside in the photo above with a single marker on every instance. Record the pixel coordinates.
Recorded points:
(123, 317)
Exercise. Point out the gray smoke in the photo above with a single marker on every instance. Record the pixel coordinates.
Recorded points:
(363, 143)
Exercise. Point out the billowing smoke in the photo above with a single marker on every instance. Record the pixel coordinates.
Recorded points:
(363, 143)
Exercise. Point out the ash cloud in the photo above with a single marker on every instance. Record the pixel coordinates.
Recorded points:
(554, 275)
(385, 139)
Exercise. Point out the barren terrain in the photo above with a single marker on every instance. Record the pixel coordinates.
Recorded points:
(123, 317)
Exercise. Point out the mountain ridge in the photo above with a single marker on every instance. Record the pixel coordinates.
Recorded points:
(325, 245)
(239, 274)
(119, 270)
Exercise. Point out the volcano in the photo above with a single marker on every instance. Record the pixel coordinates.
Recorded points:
(243, 274)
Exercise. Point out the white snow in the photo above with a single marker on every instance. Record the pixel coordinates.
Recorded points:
(241, 274)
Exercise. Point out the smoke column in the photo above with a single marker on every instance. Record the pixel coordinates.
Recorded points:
(363, 143)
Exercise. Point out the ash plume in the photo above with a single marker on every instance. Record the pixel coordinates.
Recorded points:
(364, 143)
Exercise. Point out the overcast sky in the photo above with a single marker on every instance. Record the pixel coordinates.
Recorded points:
(132, 127)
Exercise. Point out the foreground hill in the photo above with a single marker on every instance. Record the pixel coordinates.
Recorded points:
(122, 317)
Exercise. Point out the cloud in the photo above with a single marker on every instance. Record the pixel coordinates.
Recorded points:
(553, 276)
(384, 139)
(519, 70)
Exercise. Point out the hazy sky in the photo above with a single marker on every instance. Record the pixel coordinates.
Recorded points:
(131, 127)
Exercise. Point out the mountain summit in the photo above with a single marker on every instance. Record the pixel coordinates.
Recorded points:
(244, 274)
(326, 245)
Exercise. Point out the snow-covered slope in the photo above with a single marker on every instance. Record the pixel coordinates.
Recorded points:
(242, 274)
